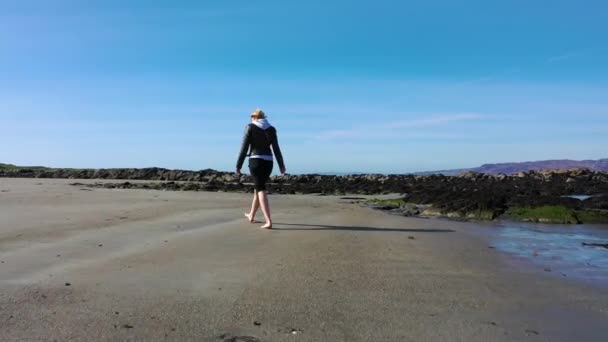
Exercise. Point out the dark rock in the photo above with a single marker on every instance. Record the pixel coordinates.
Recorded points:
(128, 326)
(604, 245)
(599, 201)
(231, 338)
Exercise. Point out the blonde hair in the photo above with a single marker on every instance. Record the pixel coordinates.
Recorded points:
(258, 114)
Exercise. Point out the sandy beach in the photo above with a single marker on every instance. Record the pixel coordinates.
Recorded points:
(82, 264)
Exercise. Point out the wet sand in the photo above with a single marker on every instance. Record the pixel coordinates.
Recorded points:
(135, 265)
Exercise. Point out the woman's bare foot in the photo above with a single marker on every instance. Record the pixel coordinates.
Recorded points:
(267, 226)
(249, 218)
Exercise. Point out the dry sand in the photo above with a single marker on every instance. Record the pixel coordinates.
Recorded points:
(137, 265)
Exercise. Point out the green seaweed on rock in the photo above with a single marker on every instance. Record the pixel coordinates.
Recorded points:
(544, 214)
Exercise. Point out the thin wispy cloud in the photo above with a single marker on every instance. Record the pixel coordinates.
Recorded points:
(434, 121)
(339, 133)
(571, 55)
(559, 58)
(490, 78)
(389, 129)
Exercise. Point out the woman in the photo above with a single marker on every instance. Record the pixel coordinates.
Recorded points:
(261, 137)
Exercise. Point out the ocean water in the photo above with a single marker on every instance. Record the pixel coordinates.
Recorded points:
(558, 249)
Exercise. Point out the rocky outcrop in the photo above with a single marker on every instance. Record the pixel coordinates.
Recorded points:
(156, 174)
(469, 195)
(523, 187)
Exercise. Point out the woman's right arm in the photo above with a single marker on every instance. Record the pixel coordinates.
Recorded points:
(244, 149)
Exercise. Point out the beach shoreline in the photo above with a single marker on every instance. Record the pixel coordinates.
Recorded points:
(85, 264)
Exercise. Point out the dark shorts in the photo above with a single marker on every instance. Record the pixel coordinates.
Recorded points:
(260, 171)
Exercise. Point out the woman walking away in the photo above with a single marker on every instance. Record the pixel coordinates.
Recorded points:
(261, 137)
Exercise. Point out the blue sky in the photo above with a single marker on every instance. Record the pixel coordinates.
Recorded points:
(372, 86)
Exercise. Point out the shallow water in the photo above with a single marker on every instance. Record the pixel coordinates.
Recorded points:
(579, 197)
(557, 248)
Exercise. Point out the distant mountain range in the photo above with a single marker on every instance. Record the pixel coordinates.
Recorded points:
(13, 167)
(509, 168)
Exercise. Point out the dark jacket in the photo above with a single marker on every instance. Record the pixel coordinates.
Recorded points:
(259, 142)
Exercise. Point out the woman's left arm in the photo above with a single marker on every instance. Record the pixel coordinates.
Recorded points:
(244, 149)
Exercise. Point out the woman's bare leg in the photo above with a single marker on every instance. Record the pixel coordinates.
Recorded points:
(263, 199)
(255, 204)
